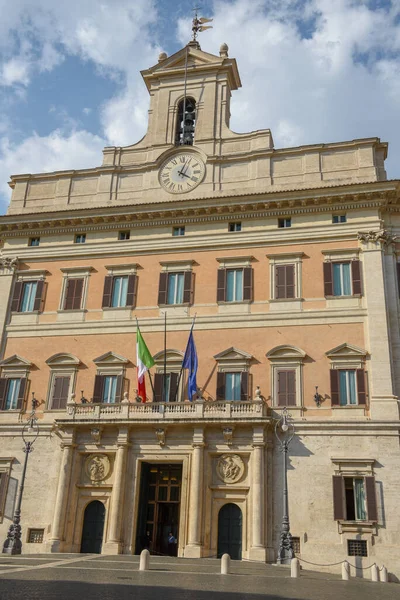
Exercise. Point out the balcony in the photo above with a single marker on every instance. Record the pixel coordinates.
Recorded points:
(162, 412)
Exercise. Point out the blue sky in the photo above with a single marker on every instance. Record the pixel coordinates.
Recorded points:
(312, 71)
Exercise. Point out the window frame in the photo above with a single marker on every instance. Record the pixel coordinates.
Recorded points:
(32, 242)
(354, 468)
(74, 273)
(287, 358)
(285, 259)
(110, 364)
(22, 278)
(168, 268)
(16, 367)
(77, 239)
(342, 218)
(5, 472)
(122, 234)
(230, 263)
(233, 360)
(173, 363)
(121, 270)
(284, 222)
(178, 231)
(62, 365)
(235, 227)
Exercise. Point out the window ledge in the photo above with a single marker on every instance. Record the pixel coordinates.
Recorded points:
(228, 303)
(276, 300)
(71, 310)
(110, 308)
(71, 315)
(25, 312)
(357, 527)
(173, 305)
(355, 410)
(343, 297)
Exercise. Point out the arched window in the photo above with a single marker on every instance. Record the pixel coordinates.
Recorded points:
(186, 122)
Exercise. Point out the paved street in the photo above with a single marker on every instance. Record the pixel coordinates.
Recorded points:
(94, 577)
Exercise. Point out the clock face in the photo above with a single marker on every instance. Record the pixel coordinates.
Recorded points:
(181, 173)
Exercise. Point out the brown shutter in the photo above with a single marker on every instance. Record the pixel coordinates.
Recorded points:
(244, 386)
(282, 388)
(107, 291)
(69, 294)
(17, 294)
(335, 400)
(291, 388)
(339, 510)
(220, 386)
(77, 301)
(21, 393)
(398, 278)
(3, 491)
(221, 287)
(289, 270)
(284, 281)
(188, 287)
(158, 387)
(39, 295)
(131, 293)
(163, 289)
(60, 392)
(248, 283)
(328, 279)
(356, 276)
(173, 387)
(98, 388)
(119, 389)
(362, 395)
(370, 492)
(3, 392)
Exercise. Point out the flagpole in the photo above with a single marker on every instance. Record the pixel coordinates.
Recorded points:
(181, 371)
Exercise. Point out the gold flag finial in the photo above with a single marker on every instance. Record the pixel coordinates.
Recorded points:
(198, 24)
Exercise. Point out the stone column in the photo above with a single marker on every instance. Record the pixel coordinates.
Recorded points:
(194, 547)
(7, 268)
(63, 491)
(257, 549)
(113, 544)
(383, 403)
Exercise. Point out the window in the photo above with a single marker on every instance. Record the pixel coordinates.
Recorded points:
(286, 387)
(339, 219)
(296, 545)
(108, 389)
(5, 466)
(73, 293)
(176, 231)
(235, 285)
(233, 385)
(357, 548)
(35, 536)
(124, 235)
(286, 375)
(287, 222)
(80, 238)
(27, 296)
(175, 288)
(342, 278)
(60, 392)
(354, 498)
(186, 122)
(12, 393)
(119, 291)
(167, 392)
(35, 241)
(235, 227)
(348, 387)
(284, 282)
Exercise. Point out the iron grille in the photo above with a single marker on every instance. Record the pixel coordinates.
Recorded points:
(36, 536)
(357, 548)
(296, 545)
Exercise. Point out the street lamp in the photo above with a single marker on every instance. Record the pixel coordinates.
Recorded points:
(13, 544)
(284, 431)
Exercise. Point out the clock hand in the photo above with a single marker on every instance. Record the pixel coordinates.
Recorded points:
(183, 174)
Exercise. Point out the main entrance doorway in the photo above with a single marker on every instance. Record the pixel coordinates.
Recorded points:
(159, 507)
(93, 527)
(230, 531)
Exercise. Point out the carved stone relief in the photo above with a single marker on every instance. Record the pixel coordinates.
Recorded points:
(230, 468)
(97, 467)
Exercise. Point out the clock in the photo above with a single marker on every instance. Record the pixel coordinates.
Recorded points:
(182, 173)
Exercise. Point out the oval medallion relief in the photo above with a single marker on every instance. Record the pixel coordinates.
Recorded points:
(230, 468)
(97, 467)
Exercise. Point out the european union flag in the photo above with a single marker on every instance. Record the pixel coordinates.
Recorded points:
(190, 362)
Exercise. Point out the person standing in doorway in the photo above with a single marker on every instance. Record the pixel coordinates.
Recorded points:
(172, 541)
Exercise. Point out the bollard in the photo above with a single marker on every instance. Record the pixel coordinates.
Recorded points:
(345, 570)
(225, 564)
(383, 575)
(144, 560)
(374, 573)
(294, 567)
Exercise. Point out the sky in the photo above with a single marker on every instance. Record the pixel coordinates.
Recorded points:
(313, 71)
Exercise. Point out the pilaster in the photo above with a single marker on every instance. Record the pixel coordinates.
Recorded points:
(7, 269)
(194, 546)
(257, 549)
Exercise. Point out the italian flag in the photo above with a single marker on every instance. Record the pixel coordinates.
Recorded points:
(144, 362)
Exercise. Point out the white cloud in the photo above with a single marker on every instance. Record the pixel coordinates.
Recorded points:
(15, 71)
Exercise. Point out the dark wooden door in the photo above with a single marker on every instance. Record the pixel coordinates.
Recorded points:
(93, 527)
(230, 531)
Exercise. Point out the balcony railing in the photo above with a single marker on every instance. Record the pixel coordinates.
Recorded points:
(160, 411)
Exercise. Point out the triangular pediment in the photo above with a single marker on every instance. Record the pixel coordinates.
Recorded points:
(347, 350)
(233, 354)
(286, 352)
(195, 57)
(111, 358)
(62, 359)
(15, 361)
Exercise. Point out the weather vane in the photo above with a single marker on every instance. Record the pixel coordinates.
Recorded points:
(198, 24)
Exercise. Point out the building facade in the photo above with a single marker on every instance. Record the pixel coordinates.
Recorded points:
(287, 259)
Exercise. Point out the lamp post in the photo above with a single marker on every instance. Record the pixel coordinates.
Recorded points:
(13, 544)
(284, 431)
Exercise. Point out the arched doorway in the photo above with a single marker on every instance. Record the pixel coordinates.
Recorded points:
(93, 526)
(230, 531)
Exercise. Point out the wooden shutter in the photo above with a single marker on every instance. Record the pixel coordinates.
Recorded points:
(335, 399)
(328, 279)
(173, 387)
(60, 392)
(291, 388)
(284, 281)
(119, 389)
(73, 294)
(21, 393)
(77, 301)
(361, 392)
(188, 287)
(98, 388)
(163, 289)
(3, 491)
(158, 387)
(221, 287)
(220, 386)
(131, 293)
(3, 392)
(339, 509)
(282, 388)
(244, 386)
(398, 278)
(107, 291)
(370, 492)
(248, 284)
(356, 276)
(39, 295)
(17, 295)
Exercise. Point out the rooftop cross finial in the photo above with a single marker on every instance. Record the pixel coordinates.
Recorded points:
(198, 24)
